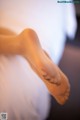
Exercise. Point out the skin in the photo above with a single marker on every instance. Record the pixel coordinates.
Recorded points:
(27, 45)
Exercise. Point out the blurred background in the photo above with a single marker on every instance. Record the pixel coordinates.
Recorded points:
(70, 65)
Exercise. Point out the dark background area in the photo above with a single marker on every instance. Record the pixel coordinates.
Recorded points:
(70, 65)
